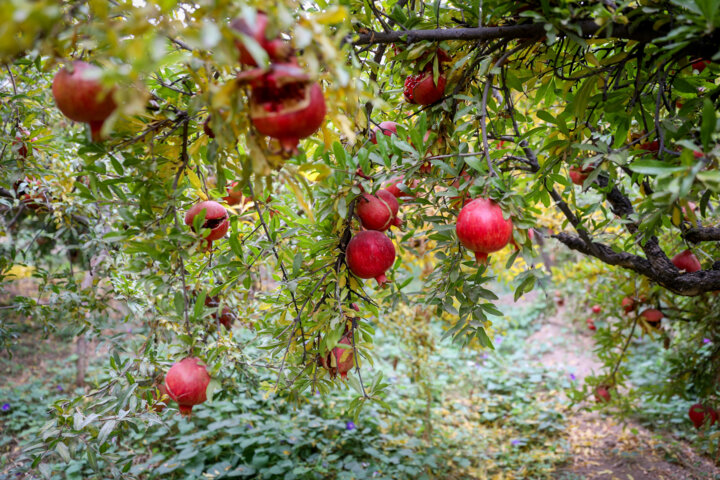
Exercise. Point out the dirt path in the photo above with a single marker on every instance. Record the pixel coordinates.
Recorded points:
(603, 448)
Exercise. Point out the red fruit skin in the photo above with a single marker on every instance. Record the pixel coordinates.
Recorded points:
(591, 325)
(277, 49)
(482, 229)
(370, 254)
(286, 118)
(602, 395)
(186, 383)
(214, 213)
(653, 146)
(421, 88)
(234, 195)
(578, 176)
(700, 65)
(686, 260)
(392, 202)
(387, 128)
(628, 304)
(392, 187)
(699, 415)
(374, 213)
(83, 99)
(596, 309)
(652, 315)
(344, 359)
(227, 317)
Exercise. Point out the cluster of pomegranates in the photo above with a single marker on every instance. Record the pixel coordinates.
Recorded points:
(422, 88)
(285, 103)
(81, 97)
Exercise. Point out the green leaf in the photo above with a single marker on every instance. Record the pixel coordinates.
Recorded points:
(708, 124)
(654, 167)
(63, 451)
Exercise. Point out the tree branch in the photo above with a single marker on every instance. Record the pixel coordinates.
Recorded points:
(702, 234)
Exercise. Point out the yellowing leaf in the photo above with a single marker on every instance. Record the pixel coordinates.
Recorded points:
(301, 198)
(332, 15)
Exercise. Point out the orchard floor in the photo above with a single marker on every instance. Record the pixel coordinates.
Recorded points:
(601, 447)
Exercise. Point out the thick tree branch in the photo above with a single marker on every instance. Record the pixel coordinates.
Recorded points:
(688, 284)
(640, 33)
(702, 234)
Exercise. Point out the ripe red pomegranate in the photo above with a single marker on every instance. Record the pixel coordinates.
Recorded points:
(341, 360)
(653, 146)
(421, 88)
(602, 394)
(579, 175)
(186, 383)
(227, 317)
(652, 316)
(81, 97)
(370, 254)
(628, 304)
(206, 127)
(377, 212)
(277, 49)
(387, 128)
(216, 219)
(596, 309)
(686, 260)
(392, 187)
(591, 324)
(700, 64)
(700, 414)
(481, 228)
(284, 103)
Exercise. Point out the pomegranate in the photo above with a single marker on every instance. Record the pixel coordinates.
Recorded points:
(341, 360)
(628, 304)
(81, 97)
(652, 316)
(216, 219)
(482, 229)
(387, 128)
(591, 324)
(370, 254)
(284, 103)
(227, 317)
(653, 146)
(686, 260)
(234, 195)
(700, 64)
(206, 127)
(602, 394)
(699, 415)
(377, 212)
(277, 49)
(392, 187)
(421, 88)
(186, 383)
(596, 309)
(579, 175)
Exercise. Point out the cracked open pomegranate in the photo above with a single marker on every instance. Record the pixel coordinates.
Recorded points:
(421, 88)
(277, 49)
(482, 229)
(370, 254)
(81, 97)
(186, 383)
(379, 211)
(284, 103)
(216, 219)
(341, 359)
(686, 260)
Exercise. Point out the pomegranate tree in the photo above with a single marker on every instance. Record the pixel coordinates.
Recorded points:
(216, 219)
(284, 103)
(379, 211)
(686, 260)
(81, 97)
(186, 383)
(277, 49)
(370, 254)
(482, 228)
(341, 359)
